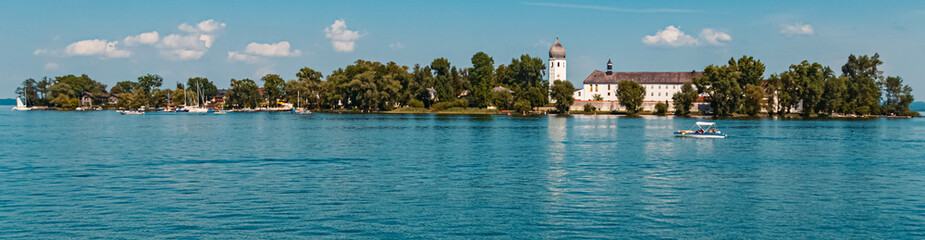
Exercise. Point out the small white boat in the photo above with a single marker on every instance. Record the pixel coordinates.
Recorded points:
(198, 109)
(20, 106)
(132, 112)
(701, 130)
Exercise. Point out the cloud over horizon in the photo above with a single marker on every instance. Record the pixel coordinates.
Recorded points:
(254, 51)
(96, 47)
(797, 29)
(672, 36)
(342, 39)
(194, 44)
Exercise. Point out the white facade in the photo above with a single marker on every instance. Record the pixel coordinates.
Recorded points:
(608, 92)
(556, 70)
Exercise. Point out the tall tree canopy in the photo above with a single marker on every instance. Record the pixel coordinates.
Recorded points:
(630, 94)
(863, 75)
(481, 77)
(562, 92)
(273, 88)
(721, 84)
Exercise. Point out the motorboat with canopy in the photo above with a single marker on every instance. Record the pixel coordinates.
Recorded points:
(701, 130)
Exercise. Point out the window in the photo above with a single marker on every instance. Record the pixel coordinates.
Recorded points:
(608, 93)
(651, 94)
(608, 87)
(558, 64)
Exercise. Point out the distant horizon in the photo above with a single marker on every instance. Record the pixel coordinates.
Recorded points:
(119, 41)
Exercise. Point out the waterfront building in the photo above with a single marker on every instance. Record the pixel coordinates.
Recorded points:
(600, 88)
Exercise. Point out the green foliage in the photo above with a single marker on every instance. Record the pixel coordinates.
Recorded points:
(684, 100)
(590, 108)
(502, 99)
(522, 105)
(146, 84)
(809, 81)
(750, 70)
(721, 84)
(415, 103)
(630, 94)
(661, 108)
(369, 86)
(863, 94)
(481, 77)
(834, 95)
(440, 106)
(273, 88)
(243, 93)
(898, 97)
(597, 97)
(203, 87)
(29, 92)
(754, 99)
(562, 92)
(63, 101)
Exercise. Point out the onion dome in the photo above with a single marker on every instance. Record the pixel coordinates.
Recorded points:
(557, 51)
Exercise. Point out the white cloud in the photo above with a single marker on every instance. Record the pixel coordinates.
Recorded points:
(342, 40)
(671, 36)
(256, 52)
(97, 47)
(206, 26)
(193, 45)
(40, 51)
(51, 66)
(241, 57)
(797, 29)
(143, 38)
(280, 49)
(607, 8)
(714, 37)
(396, 45)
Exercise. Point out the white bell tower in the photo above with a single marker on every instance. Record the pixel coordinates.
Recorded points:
(556, 62)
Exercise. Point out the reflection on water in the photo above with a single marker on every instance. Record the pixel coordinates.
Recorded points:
(103, 175)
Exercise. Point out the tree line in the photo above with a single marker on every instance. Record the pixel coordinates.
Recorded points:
(811, 88)
(363, 85)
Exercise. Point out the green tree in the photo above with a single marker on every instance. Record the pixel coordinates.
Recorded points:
(29, 92)
(146, 84)
(273, 88)
(720, 83)
(754, 98)
(420, 82)
(661, 108)
(481, 76)
(684, 100)
(243, 93)
(562, 92)
(750, 70)
(833, 98)
(502, 99)
(203, 87)
(809, 79)
(863, 94)
(898, 97)
(630, 94)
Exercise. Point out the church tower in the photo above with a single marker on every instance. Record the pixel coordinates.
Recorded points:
(556, 62)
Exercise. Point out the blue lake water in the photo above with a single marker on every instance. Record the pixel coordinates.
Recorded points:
(104, 175)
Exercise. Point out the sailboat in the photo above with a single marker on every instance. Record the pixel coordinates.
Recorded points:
(198, 108)
(20, 106)
(298, 101)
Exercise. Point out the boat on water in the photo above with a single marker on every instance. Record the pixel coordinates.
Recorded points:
(701, 130)
(198, 109)
(20, 106)
(298, 110)
(136, 112)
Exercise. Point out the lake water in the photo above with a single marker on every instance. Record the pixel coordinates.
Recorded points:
(104, 175)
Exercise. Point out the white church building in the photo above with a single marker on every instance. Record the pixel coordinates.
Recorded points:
(600, 88)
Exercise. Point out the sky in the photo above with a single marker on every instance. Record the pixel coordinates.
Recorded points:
(114, 41)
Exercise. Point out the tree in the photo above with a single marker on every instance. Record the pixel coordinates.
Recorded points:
(863, 94)
(28, 91)
(750, 70)
(419, 84)
(754, 96)
(720, 83)
(502, 99)
(809, 80)
(525, 76)
(273, 88)
(630, 94)
(481, 77)
(834, 95)
(443, 82)
(307, 91)
(684, 100)
(898, 97)
(243, 93)
(562, 92)
(123, 87)
(202, 86)
(147, 83)
(661, 108)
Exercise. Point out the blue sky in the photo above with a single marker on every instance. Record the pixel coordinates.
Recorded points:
(246, 39)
